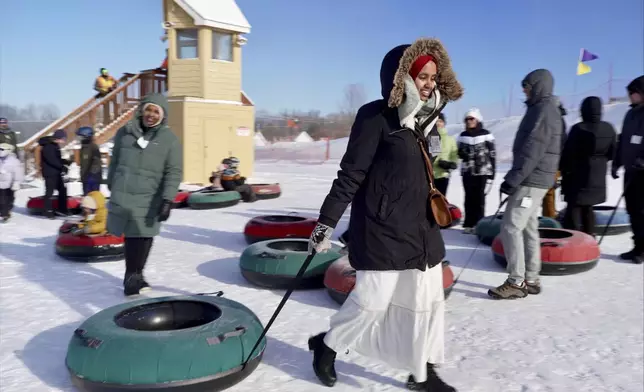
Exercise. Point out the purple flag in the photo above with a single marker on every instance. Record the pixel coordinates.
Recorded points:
(587, 56)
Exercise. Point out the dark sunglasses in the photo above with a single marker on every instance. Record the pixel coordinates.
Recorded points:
(470, 119)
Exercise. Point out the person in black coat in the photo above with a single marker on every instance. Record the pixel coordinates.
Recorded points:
(583, 165)
(396, 244)
(53, 168)
(630, 155)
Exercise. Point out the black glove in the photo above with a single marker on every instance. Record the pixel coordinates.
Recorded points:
(491, 177)
(66, 162)
(65, 170)
(164, 211)
(639, 164)
(507, 188)
(613, 173)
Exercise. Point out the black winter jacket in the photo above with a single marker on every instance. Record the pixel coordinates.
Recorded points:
(51, 163)
(383, 175)
(631, 140)
(584, 161)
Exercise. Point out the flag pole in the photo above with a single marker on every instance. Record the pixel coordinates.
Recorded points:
(610, 81)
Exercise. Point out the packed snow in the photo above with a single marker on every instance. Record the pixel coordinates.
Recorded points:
(583, 333)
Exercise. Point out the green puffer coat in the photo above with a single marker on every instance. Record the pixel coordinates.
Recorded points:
(139, 178)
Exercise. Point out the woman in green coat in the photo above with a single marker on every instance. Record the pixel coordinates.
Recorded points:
(143, 178)
(447, 159)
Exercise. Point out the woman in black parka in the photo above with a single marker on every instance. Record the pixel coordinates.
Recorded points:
(584, 161)
(395, 312)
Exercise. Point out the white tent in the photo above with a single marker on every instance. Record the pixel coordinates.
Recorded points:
(260, 140)
(303, 137)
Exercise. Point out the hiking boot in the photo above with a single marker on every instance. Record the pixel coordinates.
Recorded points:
(432, 384)
(509, 290)
(323, 360)
(50, 215)
(533, 287)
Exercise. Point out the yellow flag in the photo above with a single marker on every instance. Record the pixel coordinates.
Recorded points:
(582, 68)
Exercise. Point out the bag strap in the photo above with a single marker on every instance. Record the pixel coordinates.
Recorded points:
(428, 166)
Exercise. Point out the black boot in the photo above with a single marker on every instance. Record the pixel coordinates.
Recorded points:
(146, 246)
(135, 251)
(323, 360)
(132, 284)
(433, 383)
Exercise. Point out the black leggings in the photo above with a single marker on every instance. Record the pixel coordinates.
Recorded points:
(137, 250)
(580, 218)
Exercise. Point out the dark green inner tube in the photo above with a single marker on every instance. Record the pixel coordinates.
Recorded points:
(189, 343)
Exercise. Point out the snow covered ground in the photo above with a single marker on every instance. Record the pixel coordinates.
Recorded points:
(583, 333)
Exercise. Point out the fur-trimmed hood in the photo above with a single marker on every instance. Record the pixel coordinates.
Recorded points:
(398, 61)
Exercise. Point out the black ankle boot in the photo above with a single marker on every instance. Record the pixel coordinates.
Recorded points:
(433, 383)
(132, 284)
(323, 360)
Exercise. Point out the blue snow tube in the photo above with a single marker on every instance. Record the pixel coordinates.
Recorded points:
(621, 222)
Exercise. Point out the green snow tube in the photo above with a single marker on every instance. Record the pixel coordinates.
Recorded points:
(489, 227)
(207, 200)
(187, 343)
(275, 263)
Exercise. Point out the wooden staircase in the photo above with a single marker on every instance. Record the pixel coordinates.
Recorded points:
(106, 115)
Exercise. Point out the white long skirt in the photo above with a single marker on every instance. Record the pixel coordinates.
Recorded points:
(394, 316)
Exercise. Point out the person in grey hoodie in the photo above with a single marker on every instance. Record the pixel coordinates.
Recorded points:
(536, 152)
(630, 154)
(11, 175)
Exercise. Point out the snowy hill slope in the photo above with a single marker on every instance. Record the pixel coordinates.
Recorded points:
(584, 333)
(502, 129)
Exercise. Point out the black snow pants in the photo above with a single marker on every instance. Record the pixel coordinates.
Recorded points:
(137, 250)
(55, 183)
(6, 202)
(634, 196)
(474, 187)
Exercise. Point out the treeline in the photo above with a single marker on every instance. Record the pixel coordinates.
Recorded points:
(287, 125)
(30, 119)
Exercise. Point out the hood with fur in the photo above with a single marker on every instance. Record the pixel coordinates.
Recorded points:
(396, 64)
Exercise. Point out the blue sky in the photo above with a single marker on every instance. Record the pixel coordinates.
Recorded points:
(301, 54)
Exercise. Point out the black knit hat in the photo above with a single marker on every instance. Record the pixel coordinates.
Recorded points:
(441, 116)
(636, 86)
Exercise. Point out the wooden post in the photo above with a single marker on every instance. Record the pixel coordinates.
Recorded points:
(77, 156)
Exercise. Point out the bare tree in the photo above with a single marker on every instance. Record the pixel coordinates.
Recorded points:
(354, 97)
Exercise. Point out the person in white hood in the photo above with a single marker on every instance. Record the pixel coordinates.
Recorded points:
(11, 176)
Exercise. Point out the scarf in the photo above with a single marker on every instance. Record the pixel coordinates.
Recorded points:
(413, 111)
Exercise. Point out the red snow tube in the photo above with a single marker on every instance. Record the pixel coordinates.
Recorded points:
(340, 278)
(563, 252)
(36, 205)
(266, 191)
(88, 248)
(271, 227)
(181, 199)
(457, 215)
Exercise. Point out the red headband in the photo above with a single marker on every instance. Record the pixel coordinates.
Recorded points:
(419, 64)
